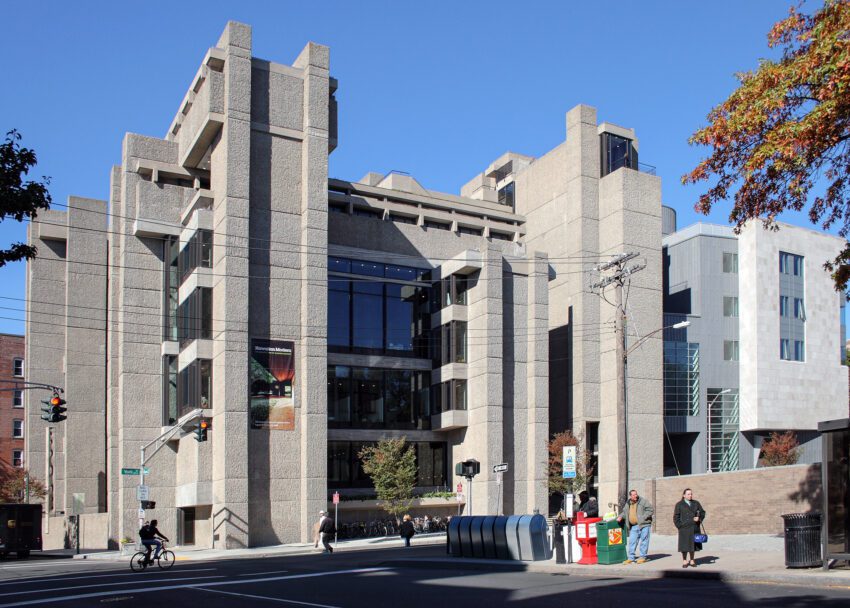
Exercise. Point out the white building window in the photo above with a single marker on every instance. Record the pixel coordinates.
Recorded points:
(785, 349)
(18, 398)
(18, 429)
(18, 367)
(17, 458)
(731, 350)
(730, 263)
(730, 306)
(783, 306)
(799, 350)
(799, 309)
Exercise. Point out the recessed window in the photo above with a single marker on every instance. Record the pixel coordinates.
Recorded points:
(730, 263)
(17, 458)
(431, 224)
(799, 309)
(790, 264)
(376, 214)
(799, 350)
(501, 236)
(783, 306)
(785, 349)
(18, 399)
(506, 195)
(18, 367)
(731, 350)
(18, 429)
(730, 306)
(338, 208)
(402, 219)
(470, 231)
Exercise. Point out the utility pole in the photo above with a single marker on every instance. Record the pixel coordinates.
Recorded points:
(615, 272)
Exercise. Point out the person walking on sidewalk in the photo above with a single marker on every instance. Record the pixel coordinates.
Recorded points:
(406, 530)
(688, 516)
(637, 513)
(326, 531)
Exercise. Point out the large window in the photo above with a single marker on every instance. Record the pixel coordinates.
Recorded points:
(450, 291)
(790, 264)
(17, 458)
(361, 397)
(18, 367)
(617, 152)
(730, 263)
(449, 343)
(194, 386)
(18, 398)
(722, 435)
(18, 429)
(196, 316)
(731, 350)
(730, 306)
(345, 470)
(448, 396)
(681, 378)
(506, 195)
(197, 253)
(171, 288)
(169, 389)
(376, 308)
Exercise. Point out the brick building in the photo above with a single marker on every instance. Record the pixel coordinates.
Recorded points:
(12, 427)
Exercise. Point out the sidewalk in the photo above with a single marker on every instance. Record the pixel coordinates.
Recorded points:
(733, 559)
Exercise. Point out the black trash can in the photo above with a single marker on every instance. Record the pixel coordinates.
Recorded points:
(802, 540)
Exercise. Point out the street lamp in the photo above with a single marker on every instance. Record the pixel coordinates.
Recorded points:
(708, 426)
(622, 405)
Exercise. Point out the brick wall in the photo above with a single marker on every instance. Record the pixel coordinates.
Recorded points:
(11, 346)
(740, 502)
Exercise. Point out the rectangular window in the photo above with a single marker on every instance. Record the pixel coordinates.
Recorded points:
(402, 219)
(730, 350)
(730, 306)
(18, 429)
(17, 458)
(470, 231)
(339, 394)
(194, 386)
(437, 225)
(783, 306)
(368, 315)
(799, 309)
(338, 208)
(368, 392)
(730, 263)
(459, 331)
(785, 349)
(506, 195)
(195, 316)
(205, 383)
(171, 288)
(169, 388)
(501, 236)
(790, 263)
(375, 214)
(18, 398)
(400, 317)
(339, 313)
(197, 253)
(799, 351)
(18, 367)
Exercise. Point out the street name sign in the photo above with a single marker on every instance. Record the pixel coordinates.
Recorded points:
(500, 468)
(134, 471)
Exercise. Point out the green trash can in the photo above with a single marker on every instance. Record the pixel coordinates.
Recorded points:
(610, 542)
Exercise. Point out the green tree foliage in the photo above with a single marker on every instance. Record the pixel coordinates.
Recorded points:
(392, 467)
(780, 449)
(557, 483)
(784, 133)
(19, 199)
(13, 485)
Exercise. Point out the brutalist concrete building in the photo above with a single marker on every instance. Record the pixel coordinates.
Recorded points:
(307, 316)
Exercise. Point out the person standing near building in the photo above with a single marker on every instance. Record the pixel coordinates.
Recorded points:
(688, 516)
(406, 531)
(588, 504)
(637, 513)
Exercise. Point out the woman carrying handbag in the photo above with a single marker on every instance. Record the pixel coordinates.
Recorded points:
(688, 516)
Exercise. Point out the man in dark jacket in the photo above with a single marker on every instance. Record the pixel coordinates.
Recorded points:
(637, 513)
(588, 504)
(406, 530)
(327, 530)
(150, 536)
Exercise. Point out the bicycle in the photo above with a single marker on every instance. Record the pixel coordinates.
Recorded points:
(165, 560)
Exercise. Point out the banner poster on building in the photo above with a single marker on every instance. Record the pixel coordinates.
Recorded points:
(272, 375)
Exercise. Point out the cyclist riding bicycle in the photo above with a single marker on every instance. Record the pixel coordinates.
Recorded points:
(149, 533)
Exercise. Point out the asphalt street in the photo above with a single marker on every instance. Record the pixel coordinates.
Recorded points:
(368, 579)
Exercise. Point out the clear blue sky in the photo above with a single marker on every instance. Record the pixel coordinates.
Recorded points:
(437, 89)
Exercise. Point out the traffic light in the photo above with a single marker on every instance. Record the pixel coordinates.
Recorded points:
(468, 468)
(201, 429)
(148, 504)
(54, 411)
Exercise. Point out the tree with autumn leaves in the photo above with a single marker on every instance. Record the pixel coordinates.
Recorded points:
(16, 483)
(557, 483)
(781, 141)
